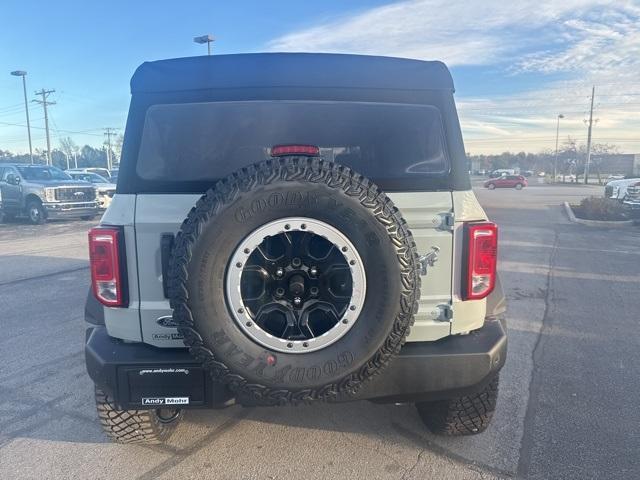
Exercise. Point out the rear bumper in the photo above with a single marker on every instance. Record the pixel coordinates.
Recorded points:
(138, 375)
(71, 209)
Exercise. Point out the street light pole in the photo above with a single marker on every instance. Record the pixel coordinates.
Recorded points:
(208, 39)
(555, 162)
(23, 74)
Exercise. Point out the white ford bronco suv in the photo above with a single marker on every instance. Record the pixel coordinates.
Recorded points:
(291, 228)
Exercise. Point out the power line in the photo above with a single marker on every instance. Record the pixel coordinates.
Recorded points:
(11, 107)
(81, 132)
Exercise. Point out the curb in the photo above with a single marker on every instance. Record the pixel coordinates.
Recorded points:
(595, 223)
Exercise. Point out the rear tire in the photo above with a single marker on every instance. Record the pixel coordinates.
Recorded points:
(36, 213)
(519, 186)
(491, 186)
(135, 426)
(468, 415)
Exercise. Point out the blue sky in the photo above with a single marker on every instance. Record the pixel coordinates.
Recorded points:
(516, 64)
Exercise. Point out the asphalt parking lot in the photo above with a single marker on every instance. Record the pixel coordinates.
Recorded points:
(568, 404)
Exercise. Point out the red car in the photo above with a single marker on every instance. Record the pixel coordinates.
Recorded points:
(507, 181)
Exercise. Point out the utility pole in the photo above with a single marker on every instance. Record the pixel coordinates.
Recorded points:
(588, 159)
(44, 102)
(108, 131)
(555, 162)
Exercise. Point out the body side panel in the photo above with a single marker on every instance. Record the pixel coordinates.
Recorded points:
(124, 323)
(470, 314)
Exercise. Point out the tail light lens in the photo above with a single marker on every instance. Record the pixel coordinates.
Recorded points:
(482, 248)
(107, 266)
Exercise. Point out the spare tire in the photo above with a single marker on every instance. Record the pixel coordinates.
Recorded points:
(293, 280)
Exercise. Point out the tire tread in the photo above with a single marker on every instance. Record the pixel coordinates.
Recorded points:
(311, 170)
(466, 415)
(131, 426)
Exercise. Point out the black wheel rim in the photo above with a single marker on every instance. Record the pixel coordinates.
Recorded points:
(296, 285)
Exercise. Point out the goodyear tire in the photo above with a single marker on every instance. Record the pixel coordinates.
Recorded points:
(307, 350)
(135, 426)
(468, 415)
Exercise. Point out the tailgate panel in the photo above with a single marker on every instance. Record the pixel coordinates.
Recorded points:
(426, 212)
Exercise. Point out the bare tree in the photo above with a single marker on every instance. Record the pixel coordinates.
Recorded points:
(69, 148)
(599, 152)
(117, 146)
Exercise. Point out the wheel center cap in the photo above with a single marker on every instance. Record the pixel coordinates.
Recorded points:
(296, 285)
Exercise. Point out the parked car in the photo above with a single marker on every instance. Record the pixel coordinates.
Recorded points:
(617, 189)
(502, 172)
(507, 181)
(236, 265)
(614, 177)
(567, 177)
(103, 172)
(105, 190)
(40, 192)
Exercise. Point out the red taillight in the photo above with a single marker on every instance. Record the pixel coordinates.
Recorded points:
(282, 150)
(106, 268)
(482, 247)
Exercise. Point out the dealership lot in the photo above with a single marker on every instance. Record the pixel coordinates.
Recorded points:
(568, 392)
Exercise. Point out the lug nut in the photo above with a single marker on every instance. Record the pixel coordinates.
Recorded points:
(279, 272)
(297, 301)
(279, 291)
(313, 291)
(296, 262)
(313, 271)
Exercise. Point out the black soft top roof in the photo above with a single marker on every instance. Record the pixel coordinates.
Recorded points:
(316, 70)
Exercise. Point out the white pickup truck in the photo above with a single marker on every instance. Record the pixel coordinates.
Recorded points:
(618, 189)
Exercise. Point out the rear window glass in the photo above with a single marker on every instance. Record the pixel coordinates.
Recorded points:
(207, 141)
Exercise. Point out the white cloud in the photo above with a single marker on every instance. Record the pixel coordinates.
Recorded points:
(604, 46)
(460, 33)
(586, 41)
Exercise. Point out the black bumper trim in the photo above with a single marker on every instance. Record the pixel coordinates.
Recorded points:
(447, 368)
(451, 367)
(93, 309)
